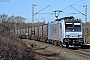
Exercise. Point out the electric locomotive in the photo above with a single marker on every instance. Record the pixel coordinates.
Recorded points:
(66, 31)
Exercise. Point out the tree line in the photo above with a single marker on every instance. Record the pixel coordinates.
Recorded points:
(16, 22)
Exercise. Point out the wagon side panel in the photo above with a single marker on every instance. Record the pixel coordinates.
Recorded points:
(40, 33)
(45, 32)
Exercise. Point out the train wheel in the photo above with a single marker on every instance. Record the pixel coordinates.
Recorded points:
(55, 43)
(61, 45)
(50, 41)
(67, 45)
(58, 43)
(45, 41)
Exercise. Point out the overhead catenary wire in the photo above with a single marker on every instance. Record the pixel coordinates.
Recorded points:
(51, 6)
(42, 9)
(72, 4)
(77, 10)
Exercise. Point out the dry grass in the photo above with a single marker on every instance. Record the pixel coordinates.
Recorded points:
(11, 47)
(88, 40)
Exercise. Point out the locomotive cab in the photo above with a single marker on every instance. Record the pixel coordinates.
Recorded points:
(73, 32)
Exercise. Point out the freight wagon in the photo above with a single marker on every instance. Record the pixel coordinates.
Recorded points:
(22, 33)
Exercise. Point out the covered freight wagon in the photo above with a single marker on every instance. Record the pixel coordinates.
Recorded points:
(36, 32)
(29, 33)
(41, 33)
(45, 32)
(33, 33)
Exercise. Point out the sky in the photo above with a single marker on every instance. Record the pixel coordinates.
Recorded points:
(24, 8)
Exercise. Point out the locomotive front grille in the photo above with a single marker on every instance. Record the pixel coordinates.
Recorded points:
(73, 36)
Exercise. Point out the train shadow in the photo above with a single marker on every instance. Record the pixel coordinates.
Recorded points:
(41, 48)
(85, 47)
(80, 47)
(52, 54)
(48, 54)
(73, 48)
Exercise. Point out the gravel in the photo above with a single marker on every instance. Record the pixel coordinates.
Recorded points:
(63, 54)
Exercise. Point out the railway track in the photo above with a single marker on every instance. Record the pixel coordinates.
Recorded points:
(81, 52)
(84, 52)
(68, 53)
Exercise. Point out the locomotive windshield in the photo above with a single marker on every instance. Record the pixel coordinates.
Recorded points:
(72, 27)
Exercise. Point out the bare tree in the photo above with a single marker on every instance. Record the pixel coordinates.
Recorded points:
(16, 22)
(19, 21)
(11, 21)
(3, 17)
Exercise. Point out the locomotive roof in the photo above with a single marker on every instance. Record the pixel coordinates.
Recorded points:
(72, 21)
(69, 19)
(65, 18)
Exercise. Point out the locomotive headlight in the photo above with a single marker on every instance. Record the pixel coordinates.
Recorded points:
(67, 36)
(79, 35)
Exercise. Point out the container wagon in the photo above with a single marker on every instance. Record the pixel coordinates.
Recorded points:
(36, 32)
(33, 33)
(45, 32)
(29, 33)
(41, 33)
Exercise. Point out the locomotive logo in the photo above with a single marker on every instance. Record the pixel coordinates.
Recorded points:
(52, 30)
